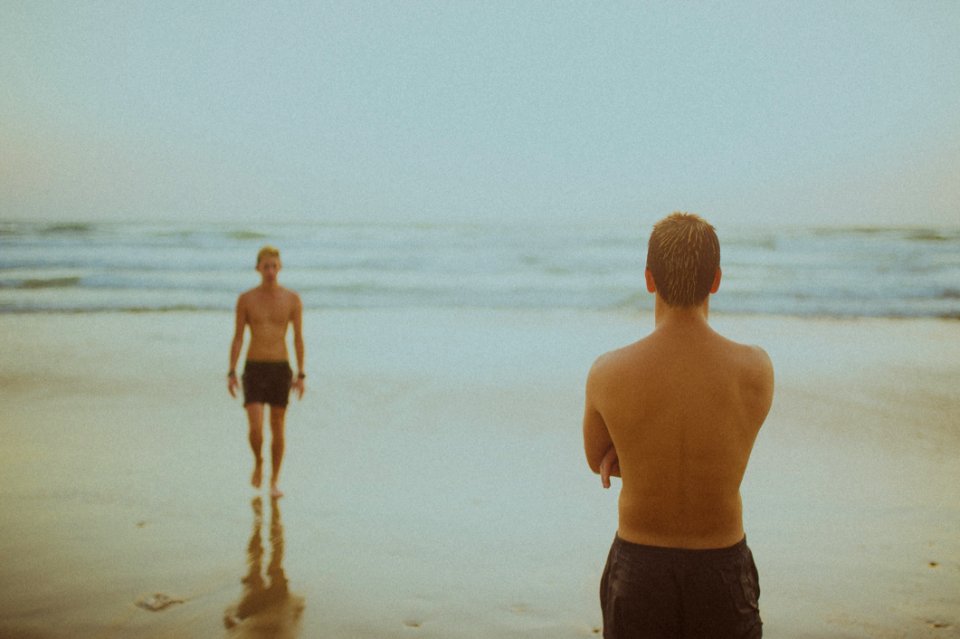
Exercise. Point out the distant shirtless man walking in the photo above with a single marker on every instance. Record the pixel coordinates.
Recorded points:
(676, 415)
(267, 378)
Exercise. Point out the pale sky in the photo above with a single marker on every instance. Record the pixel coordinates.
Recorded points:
(784, 112)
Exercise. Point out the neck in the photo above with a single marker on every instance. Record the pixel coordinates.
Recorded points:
(666, 315)
(269, 285)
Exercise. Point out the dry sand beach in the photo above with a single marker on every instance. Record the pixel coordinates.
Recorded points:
(435, 481)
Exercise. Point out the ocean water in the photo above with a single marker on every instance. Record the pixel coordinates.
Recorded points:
(834, 272)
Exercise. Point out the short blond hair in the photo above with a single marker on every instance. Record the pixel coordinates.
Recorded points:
(268, 251)
(683, 256)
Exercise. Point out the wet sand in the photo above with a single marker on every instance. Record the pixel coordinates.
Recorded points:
(435, 479)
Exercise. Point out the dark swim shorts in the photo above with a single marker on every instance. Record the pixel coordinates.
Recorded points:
(267, 383)
(649, 591)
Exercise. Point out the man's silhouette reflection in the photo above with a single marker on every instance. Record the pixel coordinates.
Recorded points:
(266, 609)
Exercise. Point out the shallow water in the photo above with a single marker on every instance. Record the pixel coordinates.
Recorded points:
(875, 272)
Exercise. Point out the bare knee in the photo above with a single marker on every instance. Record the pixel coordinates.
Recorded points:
(277, 418)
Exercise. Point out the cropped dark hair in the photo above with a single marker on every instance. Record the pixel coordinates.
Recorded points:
(683, 255)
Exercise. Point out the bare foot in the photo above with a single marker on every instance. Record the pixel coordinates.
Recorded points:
(275, 492)
(257, 478)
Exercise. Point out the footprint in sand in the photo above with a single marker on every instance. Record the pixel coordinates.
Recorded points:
(409, 623)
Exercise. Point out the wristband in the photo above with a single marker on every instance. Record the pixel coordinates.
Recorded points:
(301, 375)
(232, 374)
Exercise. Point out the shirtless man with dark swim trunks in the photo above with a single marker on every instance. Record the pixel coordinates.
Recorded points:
(267, 378)
(675, 415)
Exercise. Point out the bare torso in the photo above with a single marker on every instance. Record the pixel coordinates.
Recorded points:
(268, 313)
(682, 408)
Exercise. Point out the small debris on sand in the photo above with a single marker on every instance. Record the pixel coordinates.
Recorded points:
(157, 601)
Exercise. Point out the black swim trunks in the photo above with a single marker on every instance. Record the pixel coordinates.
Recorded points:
(649, 591)
(267, 383)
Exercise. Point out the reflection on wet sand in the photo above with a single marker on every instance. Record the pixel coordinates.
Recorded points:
(266, 608)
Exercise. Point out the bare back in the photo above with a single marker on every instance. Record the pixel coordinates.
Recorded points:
(682, 408)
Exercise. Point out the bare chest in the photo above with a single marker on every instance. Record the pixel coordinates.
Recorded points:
(264, 311)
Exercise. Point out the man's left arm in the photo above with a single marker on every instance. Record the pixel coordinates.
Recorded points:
(296, 319)
(609, 466)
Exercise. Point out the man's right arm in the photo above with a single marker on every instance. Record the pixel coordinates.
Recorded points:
(596, 438)
(240, 324)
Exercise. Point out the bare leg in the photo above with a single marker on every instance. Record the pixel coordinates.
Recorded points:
(255, 419)
(277, 415)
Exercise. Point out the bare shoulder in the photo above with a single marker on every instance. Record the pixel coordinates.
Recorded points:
(599, 370)
(758, 360)
(610, 359)
(248, 294)
(291, 300)
(750, 355)
(757, 371)
(611, 363)
(243, 300)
